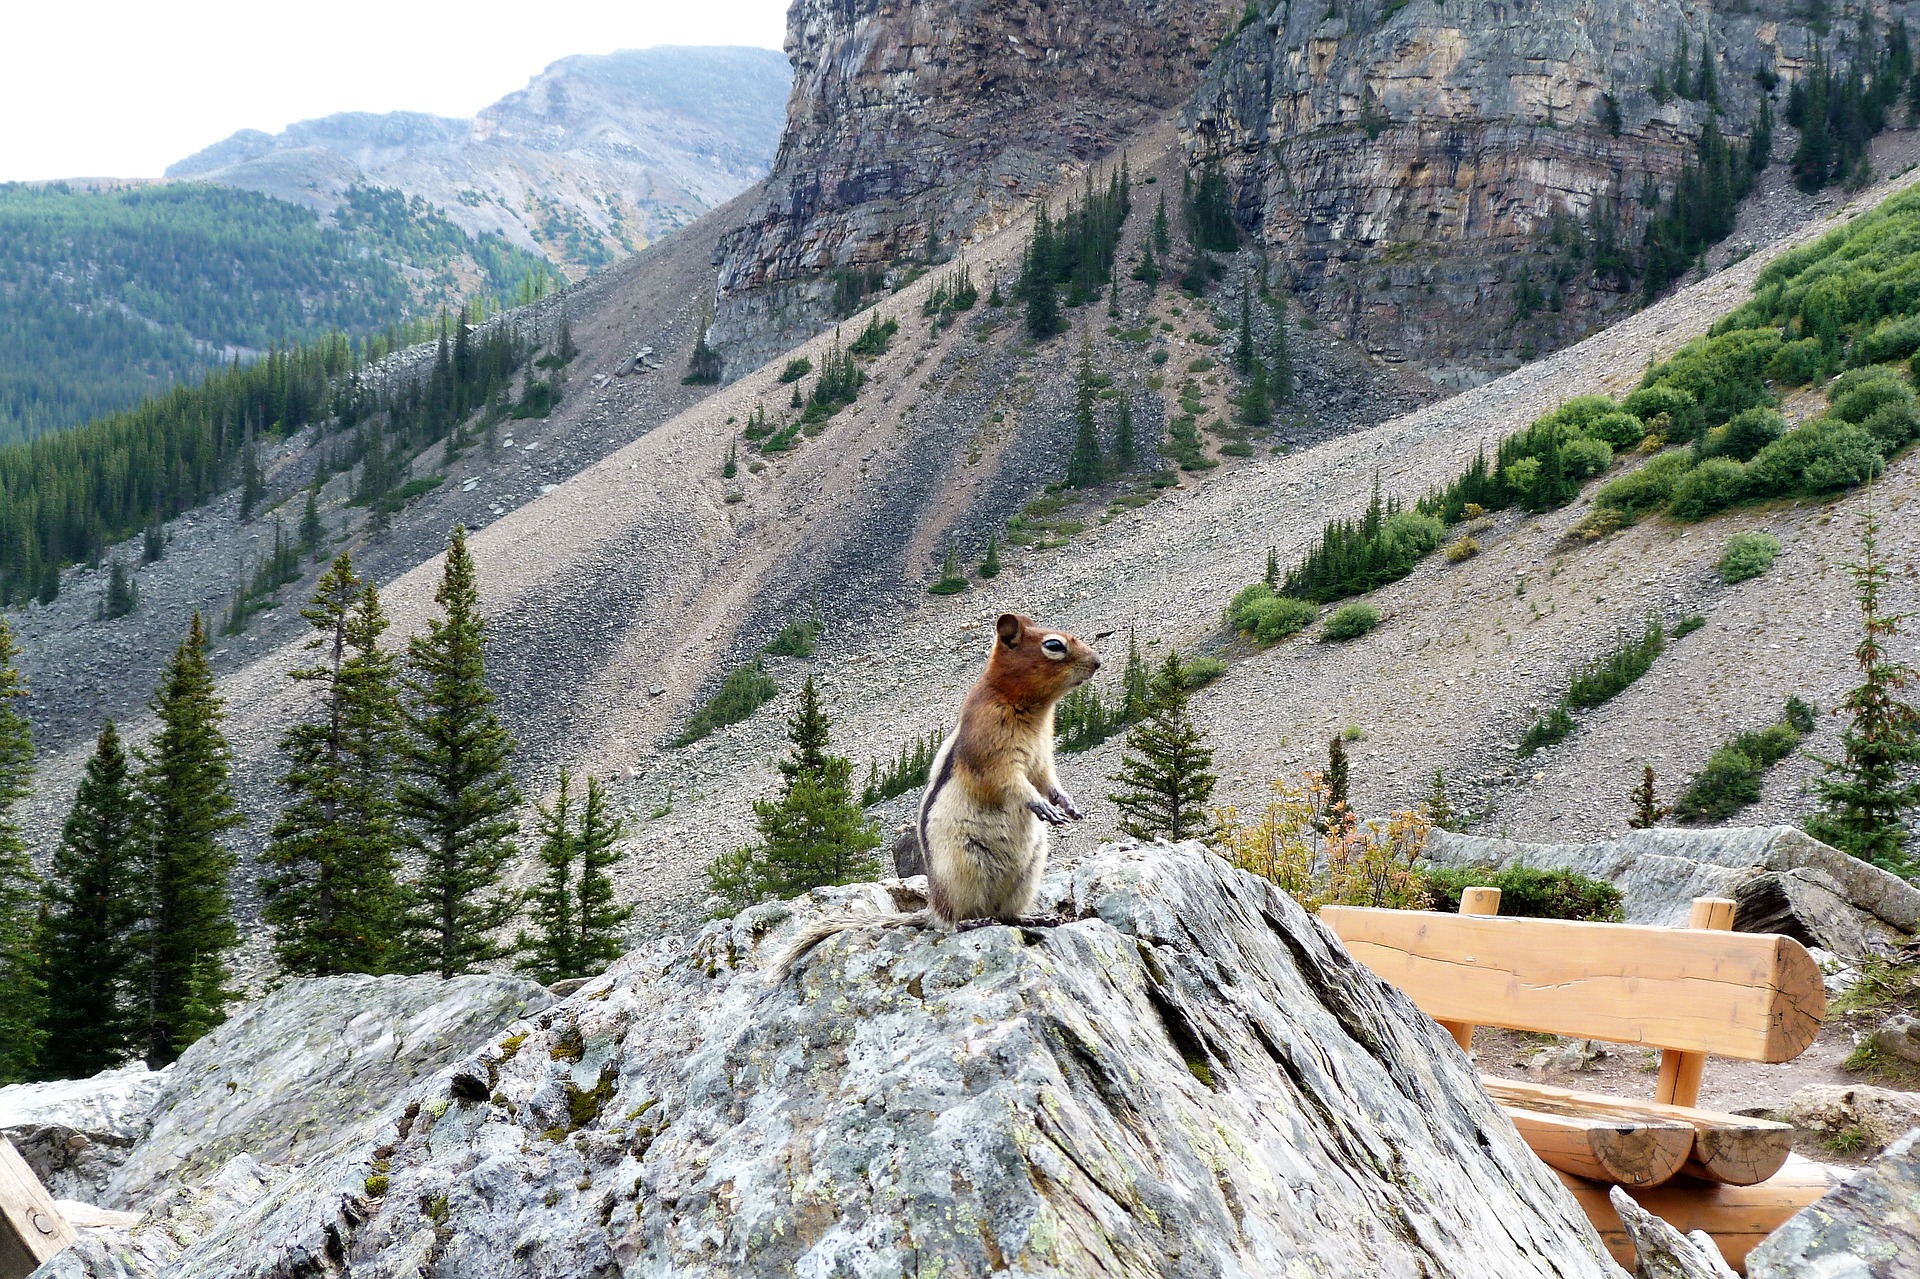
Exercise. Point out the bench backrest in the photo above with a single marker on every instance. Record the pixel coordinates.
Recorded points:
(1753, 996)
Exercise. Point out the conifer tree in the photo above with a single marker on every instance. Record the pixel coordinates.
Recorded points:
(330, 893)
(1162, 233)
(1280, 356)
(1165, 775)
(1148, 271)
(95, 898)
(703, 366)
(573, 909)
(813, 833)
(22, 984)
(564, 346)
(1136, 682)
(1126, 448)
(1867, 794)
(313, 533)
(1440, 809)
(1647, 810)
(1086, 465)
(252, 488)
(990, 563)
(1256, 409)
(456, 798)
(1337, 774)
(187, 803)
(122, 596)
(1243, 360)
(1272, 575)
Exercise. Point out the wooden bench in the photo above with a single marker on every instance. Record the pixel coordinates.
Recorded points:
(32, 1227)
(1690, 992)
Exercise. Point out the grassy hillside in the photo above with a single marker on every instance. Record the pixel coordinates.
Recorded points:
(107, 297)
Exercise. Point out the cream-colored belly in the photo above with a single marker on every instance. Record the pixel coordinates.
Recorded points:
(987, 861)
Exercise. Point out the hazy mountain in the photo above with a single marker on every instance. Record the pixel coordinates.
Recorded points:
(598, 156)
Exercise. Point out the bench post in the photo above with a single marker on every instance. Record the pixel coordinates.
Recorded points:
(1680, 1071)
(1473, 901)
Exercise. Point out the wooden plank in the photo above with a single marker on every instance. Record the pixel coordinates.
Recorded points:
(1630, 1152)
(31, 1228)
(1679, 1083)
(1473, 901)
(1738, 1217)
(1731, 1149)
(1753, 996)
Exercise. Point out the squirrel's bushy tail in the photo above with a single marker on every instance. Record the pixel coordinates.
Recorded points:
(813, 936)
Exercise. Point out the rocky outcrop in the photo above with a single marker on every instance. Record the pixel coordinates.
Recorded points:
(1784, 880)
(1192, 1077)
(305, 1070)
(75, 1133)
(1414, 169)
(1872, 1119)
(1866, 1228)
(911, 120)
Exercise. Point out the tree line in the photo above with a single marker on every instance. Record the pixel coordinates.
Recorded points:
(388, 856)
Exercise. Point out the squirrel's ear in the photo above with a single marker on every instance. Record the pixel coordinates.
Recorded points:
(1009, 629)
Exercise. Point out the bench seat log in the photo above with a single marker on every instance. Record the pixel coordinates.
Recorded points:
(1731, 1149)
(1634, 1152)
(1754, 996)
(1737, 1217)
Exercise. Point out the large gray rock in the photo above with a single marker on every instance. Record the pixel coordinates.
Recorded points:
(178, 1218)
(74, 1133)
(308, 1069)
(1193, 1078)
(1784, 880)
(1871, 1119)
(1866, 1228)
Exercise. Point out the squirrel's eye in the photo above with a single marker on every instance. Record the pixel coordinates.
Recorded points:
(1054, 646)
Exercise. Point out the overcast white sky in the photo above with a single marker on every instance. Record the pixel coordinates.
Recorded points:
(122, 89)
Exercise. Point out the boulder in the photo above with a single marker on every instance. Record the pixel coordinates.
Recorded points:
(1660, 1251)
(74, 1133)
(1191, 1077)
(1868, 1227)
(1872, 1118)
(309, 1068)
(1784, 880)
(179, 1216)
(1899, 1038)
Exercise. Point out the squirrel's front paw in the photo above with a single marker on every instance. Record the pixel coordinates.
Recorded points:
(1048, 813)
(1064, 802)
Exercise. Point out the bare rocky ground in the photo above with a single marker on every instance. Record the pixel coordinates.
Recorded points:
(621, 596)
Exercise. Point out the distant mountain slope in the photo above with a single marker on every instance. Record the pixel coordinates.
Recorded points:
(598, 156)
(107, 296)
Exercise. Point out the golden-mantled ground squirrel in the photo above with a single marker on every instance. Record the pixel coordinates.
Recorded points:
(992, 790)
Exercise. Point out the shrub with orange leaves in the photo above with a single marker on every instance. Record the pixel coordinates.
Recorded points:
(1322, 854)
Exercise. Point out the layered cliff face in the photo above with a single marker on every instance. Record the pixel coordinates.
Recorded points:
(913, 119)
(1429, 177)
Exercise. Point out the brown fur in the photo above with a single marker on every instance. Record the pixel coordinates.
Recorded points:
(992, 784)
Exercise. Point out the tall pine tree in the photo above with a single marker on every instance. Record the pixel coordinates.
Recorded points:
(814, 832)
(331, 898)
(95, 899)
(573, 910)
(1279, 356)
(22, 987)
(456, 798)
(1087, 464)
(187, 803)
(1166, 771)
(1867, 794)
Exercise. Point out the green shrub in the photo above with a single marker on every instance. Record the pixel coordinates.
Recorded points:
(1796, 363)
(1650, 402)
(1647, 489)
(1709, 488)
(1609, 675)
(1748, 555)
(1269, 618)
(1619, 430)
(1746, 434)
(1545, 731)
(1582, 411)
(1820, 456)
(1529, 893)
(746, 690)
(1585, 456)
(1351, 621)
(1734, 772)
(1202, 671)
(797, 368)
(1890, 340)
(1856, 398)
(1353, 557)
(1687, 625)
(796, 639)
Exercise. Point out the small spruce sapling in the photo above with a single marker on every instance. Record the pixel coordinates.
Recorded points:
(1647, 810)
(1440, 810)
(1166, 770)
(990, 563)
